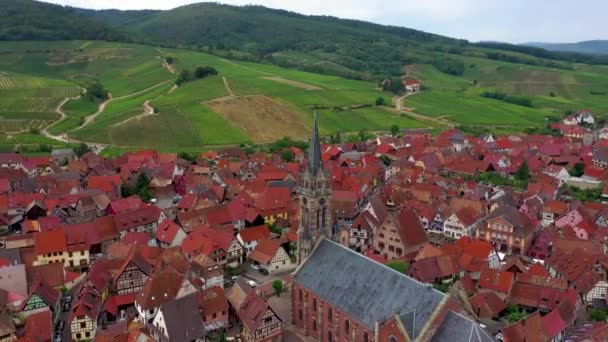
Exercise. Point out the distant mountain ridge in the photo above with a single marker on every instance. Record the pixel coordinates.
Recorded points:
(320, 44)
(589, 46)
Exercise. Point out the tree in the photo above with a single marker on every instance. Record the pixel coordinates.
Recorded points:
(169, 60)
(385, 159)
(398, 265)
(380, 101)
(96, 92)
(394, 130)
(287, 156)
(45, 148)
(184, 76)
(523, 173)
(204, 71)
(277, 285)
(335, 139)
(186, 156)
(81, 149)
(221, 337)
(514, 313)
(578, 170)
(597, 315)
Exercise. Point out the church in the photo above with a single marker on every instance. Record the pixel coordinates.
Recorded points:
(341, 295)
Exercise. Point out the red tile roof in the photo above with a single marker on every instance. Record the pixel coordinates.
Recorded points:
(166, 231)
(255, 233)
(265, 250)
(496, 280)
(53, 241)
(135, 218)
(104, 183)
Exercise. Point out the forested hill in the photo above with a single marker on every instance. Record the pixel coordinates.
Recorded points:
(321, 44)
(590, 46)
(32, 20)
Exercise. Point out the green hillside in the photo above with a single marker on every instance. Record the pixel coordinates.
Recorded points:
(32, 20)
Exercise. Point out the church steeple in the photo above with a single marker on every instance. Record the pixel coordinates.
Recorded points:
(315, 205)
(314, 151)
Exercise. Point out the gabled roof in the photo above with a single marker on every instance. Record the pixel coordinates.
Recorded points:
(183, 319)
(375, 292)
(254, 233)
(265, 250)
(252, 311)
(166, 231)
(458, 328)
(161, 288)
(53, 241)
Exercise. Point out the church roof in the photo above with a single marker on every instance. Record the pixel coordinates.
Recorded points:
(367, 291)
(457, 328)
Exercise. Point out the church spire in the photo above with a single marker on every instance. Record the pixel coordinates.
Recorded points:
(314, 150)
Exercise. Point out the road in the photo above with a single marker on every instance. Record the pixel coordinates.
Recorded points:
(399, 106)
(95, 146)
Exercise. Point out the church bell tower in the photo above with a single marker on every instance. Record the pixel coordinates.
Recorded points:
(315, 193)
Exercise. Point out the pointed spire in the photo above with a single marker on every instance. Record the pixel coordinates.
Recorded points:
(314, 150)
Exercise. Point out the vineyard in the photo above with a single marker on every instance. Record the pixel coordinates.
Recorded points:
(25, 104)
(20, 126)
(6, 83)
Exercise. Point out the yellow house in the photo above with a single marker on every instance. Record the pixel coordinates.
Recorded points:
(52, 247)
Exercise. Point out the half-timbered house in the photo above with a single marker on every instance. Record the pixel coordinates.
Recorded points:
(132, 275)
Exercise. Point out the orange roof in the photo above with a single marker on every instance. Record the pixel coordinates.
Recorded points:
(265, 251)
(255, 233)
(53, 241)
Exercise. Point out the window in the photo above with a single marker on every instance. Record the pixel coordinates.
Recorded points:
(314, 325)
(365, 337)
(78, 336)
(83, 325)
(87, 334)
(81, 252)
(300, 314)
(329, 315)
(70, 254)
(347, 327)
(300, 294)
(329, 336)
(314, 304)
(392, 339)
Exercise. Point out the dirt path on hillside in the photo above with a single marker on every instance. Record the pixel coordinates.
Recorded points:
(169, 67)
(227, 86)
(103, 105)
(62, 116)
(148, 110)
(63, 137)
(408, 111)
(175, 86)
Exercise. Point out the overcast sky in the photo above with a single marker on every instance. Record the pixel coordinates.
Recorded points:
(499, 20)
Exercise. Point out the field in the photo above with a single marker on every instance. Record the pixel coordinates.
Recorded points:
(265, 119)
(258, 103)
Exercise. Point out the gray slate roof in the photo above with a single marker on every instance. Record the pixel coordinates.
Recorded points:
(183, 327)
(366, 290)
(457, 328)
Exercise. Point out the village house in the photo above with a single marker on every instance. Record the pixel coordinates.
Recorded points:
(400, 234)
(260, 322)
(508, 229)
(271, 256)
(250, 237)
(179, 320)
(461, 223)
(144, 219)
